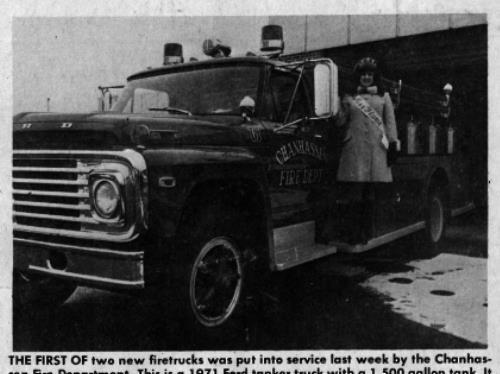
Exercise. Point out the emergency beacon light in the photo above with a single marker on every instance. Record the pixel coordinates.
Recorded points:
(172, 54)
(272, 39)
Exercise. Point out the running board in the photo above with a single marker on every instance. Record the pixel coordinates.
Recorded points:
(380, 240)
(302, 255)
(295, 245)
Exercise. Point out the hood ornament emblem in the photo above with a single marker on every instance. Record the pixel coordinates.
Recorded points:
(66, 125)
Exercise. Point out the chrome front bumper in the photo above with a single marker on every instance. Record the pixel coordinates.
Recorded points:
(96, 267)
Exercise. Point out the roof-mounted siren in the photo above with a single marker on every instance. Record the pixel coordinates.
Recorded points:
(272, 43)
(215, 48)
(172, 54)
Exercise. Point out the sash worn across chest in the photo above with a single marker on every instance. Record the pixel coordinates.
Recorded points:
(374, 117)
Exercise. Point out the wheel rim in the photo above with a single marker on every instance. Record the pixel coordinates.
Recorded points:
(216, 281)
(436, 219)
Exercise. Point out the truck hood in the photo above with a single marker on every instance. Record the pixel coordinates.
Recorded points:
(115, 130)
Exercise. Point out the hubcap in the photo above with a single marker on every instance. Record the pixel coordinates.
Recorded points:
(436, 219)
(215, 283)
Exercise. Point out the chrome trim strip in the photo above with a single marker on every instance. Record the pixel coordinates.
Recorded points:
(52, 205)
(318, 251)
(134, 157)
(383, 239)
(75, 170)
(88, 250)
(464, 209)
(123, 237)
(79, 182)
(51, 193)
(55, 217)
(83, 277)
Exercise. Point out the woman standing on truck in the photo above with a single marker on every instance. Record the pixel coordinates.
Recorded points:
(370, 146)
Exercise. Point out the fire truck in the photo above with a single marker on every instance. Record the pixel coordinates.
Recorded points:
(206, 175)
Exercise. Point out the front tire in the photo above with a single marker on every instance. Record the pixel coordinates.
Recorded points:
(216, 282)
(209, 281)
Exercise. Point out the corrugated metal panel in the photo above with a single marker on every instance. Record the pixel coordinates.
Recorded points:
(365, 28)
(309, 33)
(326, 31)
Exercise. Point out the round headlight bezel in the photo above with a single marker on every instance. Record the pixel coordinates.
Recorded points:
(100, 211)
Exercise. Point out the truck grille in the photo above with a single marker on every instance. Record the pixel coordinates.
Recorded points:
(52, 197)
(51, 192)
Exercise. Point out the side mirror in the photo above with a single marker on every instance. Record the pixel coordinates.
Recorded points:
(326, 95)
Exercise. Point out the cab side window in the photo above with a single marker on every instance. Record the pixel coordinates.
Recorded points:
(278, 95)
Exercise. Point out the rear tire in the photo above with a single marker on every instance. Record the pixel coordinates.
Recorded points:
(436, 218)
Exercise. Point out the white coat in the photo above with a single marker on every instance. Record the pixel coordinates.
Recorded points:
(363, 157)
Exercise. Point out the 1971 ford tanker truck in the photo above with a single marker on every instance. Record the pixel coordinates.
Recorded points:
(203, 176)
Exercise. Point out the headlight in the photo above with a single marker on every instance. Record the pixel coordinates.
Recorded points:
(106, 198)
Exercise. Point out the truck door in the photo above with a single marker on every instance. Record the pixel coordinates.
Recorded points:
(298, 148)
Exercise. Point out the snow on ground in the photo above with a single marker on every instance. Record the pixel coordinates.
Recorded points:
(448, 293)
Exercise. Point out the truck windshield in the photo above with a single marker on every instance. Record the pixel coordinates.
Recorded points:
(213, 90)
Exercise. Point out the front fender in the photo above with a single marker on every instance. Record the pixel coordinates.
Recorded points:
(191, 167)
